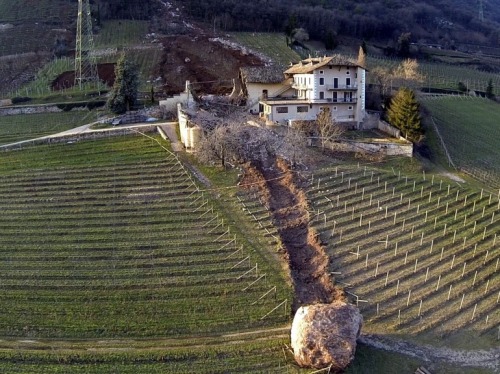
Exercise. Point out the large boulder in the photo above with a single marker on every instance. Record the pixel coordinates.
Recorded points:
(324, 335)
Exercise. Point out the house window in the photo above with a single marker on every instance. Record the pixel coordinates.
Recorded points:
(281, 109)
(350, 107)
(322, 72)
(321, 81)
(348, 82)
(335, 108)
(348, 72)
(302, 109)
(321, 95)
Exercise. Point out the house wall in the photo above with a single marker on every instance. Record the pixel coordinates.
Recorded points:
(309, 87)
(255, 90)
(190, 134)
(183, 125)
(361, 95)
(273, 114)
(340, 112)
(329, 75)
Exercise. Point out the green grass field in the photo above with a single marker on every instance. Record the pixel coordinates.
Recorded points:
(31, 126)
(272, 45)
(420, 257)
(128, 251)
(442, 75)
(469, 128)
(120, 33)
(112, 239)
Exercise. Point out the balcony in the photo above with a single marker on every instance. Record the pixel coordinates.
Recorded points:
(297, 86)
(341, 87)
(339, 100)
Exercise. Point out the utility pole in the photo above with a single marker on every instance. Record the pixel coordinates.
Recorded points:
(481, 11)
(85, 64)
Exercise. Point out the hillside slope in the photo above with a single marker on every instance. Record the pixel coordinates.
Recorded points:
(443, 21)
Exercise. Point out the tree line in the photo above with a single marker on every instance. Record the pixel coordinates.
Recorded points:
(119, 9)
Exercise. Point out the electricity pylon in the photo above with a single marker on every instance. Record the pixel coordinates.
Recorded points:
(85, 63)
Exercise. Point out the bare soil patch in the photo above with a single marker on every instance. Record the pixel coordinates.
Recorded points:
(197, 59)
(306, 257)
(66, 80)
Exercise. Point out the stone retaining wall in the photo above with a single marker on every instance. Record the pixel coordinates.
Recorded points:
(385, 148)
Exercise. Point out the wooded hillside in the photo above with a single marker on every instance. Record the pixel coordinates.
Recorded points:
(442, 21)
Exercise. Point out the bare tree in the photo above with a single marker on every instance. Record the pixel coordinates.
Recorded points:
(405, 74)
(329, 131)
(301, 35)
(361, 57)
(237, 143)
(384, 80)
(292, 145)
(408, 73)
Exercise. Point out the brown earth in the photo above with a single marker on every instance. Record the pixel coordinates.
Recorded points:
(66, 80)
(280, 188)
(197, 59)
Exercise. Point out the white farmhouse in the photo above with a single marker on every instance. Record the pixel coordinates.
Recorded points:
(334, 82)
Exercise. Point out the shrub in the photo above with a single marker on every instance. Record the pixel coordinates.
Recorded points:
(20, 99)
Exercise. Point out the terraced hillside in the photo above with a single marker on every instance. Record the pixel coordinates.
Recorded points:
(112, 239)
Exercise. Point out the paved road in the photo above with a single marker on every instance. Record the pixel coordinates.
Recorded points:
(169, 129)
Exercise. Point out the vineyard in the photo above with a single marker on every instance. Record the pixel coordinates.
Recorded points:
(114, 33)
(272, 45)
(441, 75)
(418, 255)
(31, 126)
(113, 239)
(469, 129)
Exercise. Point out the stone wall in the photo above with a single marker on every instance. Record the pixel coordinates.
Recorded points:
(374, 122)
(386, 148)
(190, 132)
(35, 109)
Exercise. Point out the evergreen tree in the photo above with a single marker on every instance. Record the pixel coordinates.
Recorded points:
(489, 90)
(330, 41)
(403, 113)
(403, 48)
(364, 47)
(124, 93)
(290, 28)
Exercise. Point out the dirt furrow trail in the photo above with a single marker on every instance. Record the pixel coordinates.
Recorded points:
(489, 359)
(306, 257)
